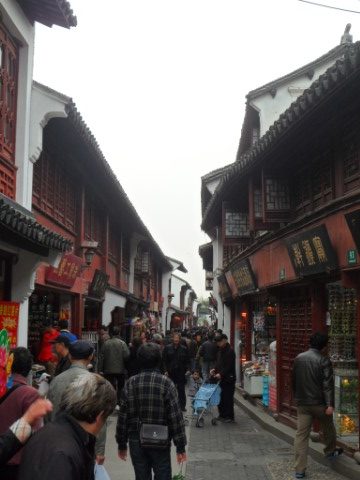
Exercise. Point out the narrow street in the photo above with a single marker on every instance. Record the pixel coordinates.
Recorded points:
(239, 451)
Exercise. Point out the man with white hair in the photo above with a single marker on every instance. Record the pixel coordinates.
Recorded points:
(65, 448)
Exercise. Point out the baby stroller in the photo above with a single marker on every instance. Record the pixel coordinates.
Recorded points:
(207, 397)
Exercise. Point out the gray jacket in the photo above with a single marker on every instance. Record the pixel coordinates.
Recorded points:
(113, 356)
(313, 379)
(58, 386)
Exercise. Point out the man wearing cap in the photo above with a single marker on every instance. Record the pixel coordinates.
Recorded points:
(81, 353)
(61, 348)
(225, 373)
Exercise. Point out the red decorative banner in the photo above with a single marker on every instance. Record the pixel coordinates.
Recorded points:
(9, 320)
(65, 275)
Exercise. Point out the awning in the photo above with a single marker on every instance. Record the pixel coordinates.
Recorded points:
(19, 227)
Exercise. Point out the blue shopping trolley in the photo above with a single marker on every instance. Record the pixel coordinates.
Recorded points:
(206, 398)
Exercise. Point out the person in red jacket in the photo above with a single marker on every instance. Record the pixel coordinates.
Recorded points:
(46, 354)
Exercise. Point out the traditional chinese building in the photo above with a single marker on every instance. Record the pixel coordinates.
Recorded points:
(291, 204)
(114, 271)
(24, 241)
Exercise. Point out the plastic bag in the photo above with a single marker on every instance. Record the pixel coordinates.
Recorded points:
(180, 475)
(101, 473)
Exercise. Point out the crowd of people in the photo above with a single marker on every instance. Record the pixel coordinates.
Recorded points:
(64, 435)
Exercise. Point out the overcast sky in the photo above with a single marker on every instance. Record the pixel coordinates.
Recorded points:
(162, 85)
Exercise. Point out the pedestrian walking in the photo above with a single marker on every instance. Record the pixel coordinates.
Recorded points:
(64, 330)
(176, 363)
(225, 373)
(313, 387)
(150, 399)
(64, 448)
(132, 363)
(61, 346)
(14, 404)
(206, 356)
(46, 355)
(112, 361)
(81, 353)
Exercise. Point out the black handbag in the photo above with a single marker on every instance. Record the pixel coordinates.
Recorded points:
(154, 436)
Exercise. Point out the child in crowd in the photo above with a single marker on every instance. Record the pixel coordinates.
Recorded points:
(195, 382)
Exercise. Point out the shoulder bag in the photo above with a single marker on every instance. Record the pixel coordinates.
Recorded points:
(152, 435)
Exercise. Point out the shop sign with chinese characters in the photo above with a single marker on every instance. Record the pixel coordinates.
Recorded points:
(224, 290)
(311, 252)
(244, 277)
(65, 275)
(98, 284)
(353, 221)
(9, 319)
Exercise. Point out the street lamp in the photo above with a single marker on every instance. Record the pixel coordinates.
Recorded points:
(89, 249)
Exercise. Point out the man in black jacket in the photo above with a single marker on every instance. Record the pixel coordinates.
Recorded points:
(65, 448)
(313, 387)
(206, 355)
(176, 363)
(150, 398)
(225, 372)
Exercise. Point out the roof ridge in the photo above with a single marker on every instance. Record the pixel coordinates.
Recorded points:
(269, 85)
(325, 84)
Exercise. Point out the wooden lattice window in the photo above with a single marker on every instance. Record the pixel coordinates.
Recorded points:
(296, 328)
(94, 223)
(54, 191)
(321, 180)
(302, 189)
(277, 194)
(236, 224)
(258, 203)
(8, 94)
(114, 245)
(351, 165)
(126, 254)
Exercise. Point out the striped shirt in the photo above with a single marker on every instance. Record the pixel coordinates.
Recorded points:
(150, 397)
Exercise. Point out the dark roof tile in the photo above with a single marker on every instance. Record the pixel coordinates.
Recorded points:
(320, 90)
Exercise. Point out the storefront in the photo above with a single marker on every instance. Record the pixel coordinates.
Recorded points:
(93, 306)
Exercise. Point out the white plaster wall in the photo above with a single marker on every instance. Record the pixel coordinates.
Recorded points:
(224, 313)
(111, 301)
(24, 32)
(23, 282)
(212, 184)
(270, 108)
(165, 292)
(176, 285)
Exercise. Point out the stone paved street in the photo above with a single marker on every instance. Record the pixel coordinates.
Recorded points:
(240, 451)
(244, 451)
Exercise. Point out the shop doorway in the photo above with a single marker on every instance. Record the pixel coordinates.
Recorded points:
(295, 332)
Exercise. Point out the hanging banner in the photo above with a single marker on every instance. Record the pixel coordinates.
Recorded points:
(224, 290)
(65, 275)
(99, 284)
(353, 221)
(311, 252)
(244, 277)
(9, 320)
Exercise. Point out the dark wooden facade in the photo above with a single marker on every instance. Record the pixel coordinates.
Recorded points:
(71, 196)
(303, 177)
